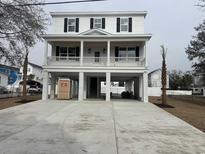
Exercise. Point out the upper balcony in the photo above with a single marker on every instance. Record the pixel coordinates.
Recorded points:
(97, 61)
(96, 48)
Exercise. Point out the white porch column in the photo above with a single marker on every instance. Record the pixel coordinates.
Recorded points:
(81, 85)
(81, 52)
(108, 86)
(145, 87)
(108, 53)
(45, 52)
(145, 54)
(45, 86)
(53, 86)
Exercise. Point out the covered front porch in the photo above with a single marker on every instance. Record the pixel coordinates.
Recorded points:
(92, 52)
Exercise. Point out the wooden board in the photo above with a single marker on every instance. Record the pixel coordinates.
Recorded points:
(64, 89)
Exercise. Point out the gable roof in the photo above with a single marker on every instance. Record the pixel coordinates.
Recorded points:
(159, 69)
(95, 32)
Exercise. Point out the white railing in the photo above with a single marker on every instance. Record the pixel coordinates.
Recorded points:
(97, 61)
(58, 60)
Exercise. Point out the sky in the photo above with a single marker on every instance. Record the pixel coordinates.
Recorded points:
(171, 22)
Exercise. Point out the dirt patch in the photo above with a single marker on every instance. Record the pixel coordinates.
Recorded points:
(189, 111)
(9, 102)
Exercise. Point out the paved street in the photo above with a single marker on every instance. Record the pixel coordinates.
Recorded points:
(51, 127)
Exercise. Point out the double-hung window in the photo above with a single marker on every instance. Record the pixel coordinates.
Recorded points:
(71, 24)
(97, 23)
(124, 24)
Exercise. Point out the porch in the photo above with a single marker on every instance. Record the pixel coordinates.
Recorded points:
(109, 53)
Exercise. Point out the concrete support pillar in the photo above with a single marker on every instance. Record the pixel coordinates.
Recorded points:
(108, 79)
(45, 52)
(141, 87)
(81, 52)
(145, 87)
(85, 88)
(81, 85)
(53, 86)
(45, 85)
(108, 53)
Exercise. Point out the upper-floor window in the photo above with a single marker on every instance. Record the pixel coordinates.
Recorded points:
(97, 23)
(71, 24)
(124, 24)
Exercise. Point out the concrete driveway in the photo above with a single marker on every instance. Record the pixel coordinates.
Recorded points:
(60, 127)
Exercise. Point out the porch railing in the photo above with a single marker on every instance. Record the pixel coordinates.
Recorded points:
(97, 61)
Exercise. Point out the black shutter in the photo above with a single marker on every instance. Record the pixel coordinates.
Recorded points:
(137, 53)
(116, 53)
(57, 51)
(77, 53)
(91, 23)
(65, 24)
(77, 25)
(118, 24)
(130, 24)
(103, 23)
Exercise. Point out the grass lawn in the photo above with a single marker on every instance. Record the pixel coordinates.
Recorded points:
(9, 102)
(191, 111)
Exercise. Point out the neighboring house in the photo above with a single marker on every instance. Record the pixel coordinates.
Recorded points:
(155, 83)
(199, 84)
(35, 70)
(12, 72)
(3, 79)
(94, 47)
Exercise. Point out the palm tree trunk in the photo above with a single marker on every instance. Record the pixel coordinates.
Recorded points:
(25, 66)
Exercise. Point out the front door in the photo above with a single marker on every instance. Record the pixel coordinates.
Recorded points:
(97, 56)
(93, 87)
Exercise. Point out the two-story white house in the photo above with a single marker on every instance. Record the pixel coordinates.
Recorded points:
(94, 47)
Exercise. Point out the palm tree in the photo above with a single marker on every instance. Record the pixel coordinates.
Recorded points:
(164, 75)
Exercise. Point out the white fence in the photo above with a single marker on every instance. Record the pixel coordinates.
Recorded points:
(156, 91)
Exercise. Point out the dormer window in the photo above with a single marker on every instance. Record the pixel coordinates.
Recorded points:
(97, 23)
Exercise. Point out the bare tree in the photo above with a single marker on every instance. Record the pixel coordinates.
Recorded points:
(21, 27)
(201, 3)
(164, 75)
